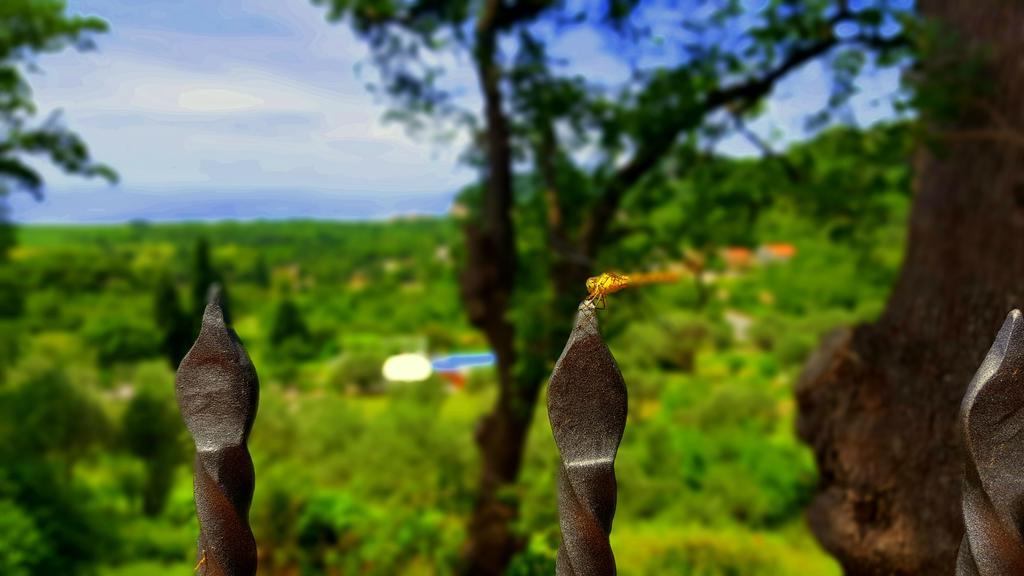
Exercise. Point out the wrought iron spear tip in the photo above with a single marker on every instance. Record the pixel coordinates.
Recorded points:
(218, 392)
(215, 297)
(216, 385)
(587, 406)
(992, 432)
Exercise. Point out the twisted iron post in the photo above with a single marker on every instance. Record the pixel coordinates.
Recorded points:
(992, 431)
(217, 392)
(587, 409)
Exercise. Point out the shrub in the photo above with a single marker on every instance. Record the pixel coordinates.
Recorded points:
(12, 294)
(670, 342)
(45, 415)
(289, 334)
(358, 370)
(172, 321)
(151, 431)
(287, 323)
(121, 339)
(21, 543)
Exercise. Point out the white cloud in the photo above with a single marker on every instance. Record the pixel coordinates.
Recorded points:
(218, 100)
(236, 96)
(168, 108)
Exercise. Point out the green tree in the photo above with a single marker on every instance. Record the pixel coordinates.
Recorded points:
(29, 28)
(289, 337)
(46, 426)
(359, 370)
(21, 541)
(151, 431)
(172, 321)
(12, 297)
(844, 179)
(529, 248)
(260, 273)
(288, 323)
(121, 339)
(12, 304)
(204, 275)
(54, 420)
(879, 403)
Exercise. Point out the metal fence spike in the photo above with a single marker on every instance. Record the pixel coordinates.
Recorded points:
(587, 409)
(217, 392)
(992, 431)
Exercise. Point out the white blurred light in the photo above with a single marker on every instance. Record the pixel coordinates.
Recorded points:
(407, 368)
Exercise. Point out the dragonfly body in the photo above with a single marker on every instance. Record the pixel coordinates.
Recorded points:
(610, 282)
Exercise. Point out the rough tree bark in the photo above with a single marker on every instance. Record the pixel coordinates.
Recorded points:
(486, 286)
(879, 403)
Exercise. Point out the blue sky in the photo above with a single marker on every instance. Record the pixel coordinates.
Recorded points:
(253, 109)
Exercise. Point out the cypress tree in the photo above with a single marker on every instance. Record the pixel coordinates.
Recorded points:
(288, 324)
(149, 431)
(204, 275)
(174, 324)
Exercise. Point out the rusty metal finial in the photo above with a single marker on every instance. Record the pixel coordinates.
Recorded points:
(217, 392)
(992, 430)
(587, 410)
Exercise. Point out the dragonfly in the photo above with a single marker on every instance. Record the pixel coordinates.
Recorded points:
(599, 287)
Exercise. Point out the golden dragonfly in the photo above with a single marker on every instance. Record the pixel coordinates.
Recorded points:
(598, 287)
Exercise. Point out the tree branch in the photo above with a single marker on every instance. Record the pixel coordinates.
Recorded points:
(740, 97)
(487, 282)
(546, 156)
(765, 149)
(1001, 135)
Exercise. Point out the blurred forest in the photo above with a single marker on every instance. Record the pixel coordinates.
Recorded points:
(562, 155)
(882, 228)
(354, 476)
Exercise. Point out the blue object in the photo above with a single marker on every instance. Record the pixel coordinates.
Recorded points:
(458, 362)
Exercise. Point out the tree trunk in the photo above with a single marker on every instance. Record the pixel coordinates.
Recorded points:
(486, 286)
(501, 437)
(878, 403)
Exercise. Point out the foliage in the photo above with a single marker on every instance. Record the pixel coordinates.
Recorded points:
(692, 551)
(48, 416)
(392, 513)
(288, 327)
(172, 320)
(151, 431)
(585, 145)
(725, 55)
(358, 370)
(8, 348)
(204, 276)
(711, 477)
(47, 425)
(120, 339)
(12, 299)
(28, 28)
(22, 542)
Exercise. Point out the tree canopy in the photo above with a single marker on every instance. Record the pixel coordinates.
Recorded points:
(677, 76)
(29, 28)
(687, 72)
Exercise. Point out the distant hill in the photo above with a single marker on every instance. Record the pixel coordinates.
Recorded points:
(122, 204)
